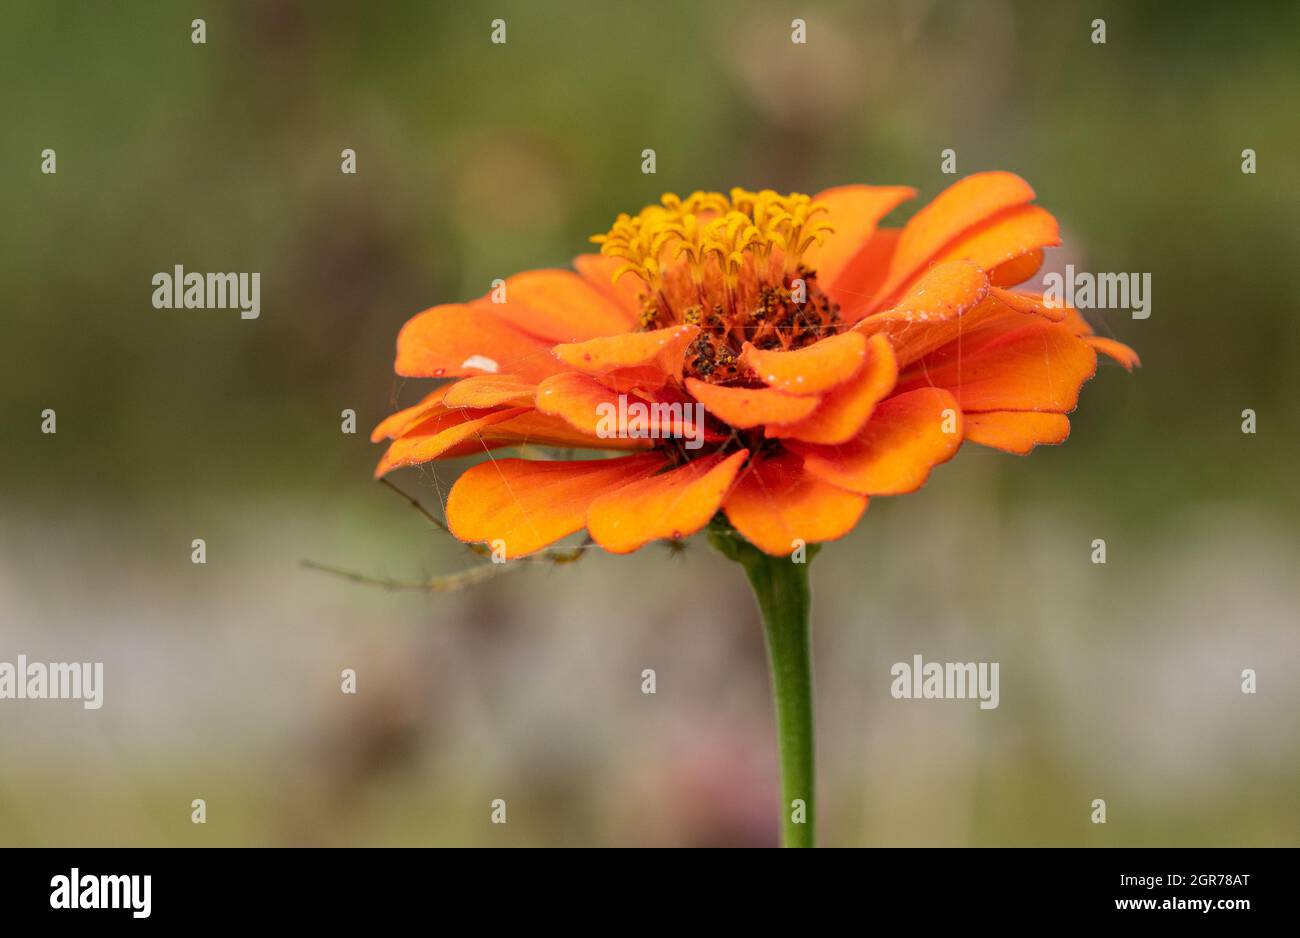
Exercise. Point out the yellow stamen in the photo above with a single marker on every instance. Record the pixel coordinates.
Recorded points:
(728, 229)
(731, 260)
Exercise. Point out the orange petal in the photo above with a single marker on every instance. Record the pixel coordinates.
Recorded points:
(914, 338)
(963, 205)
(1073, 320)
(1016, 431)
(907, 436)
(633, 359)
(576, 398)
(437, 435)
(394, 424)
(672, 504)
(776, 503)
(943, 293)
(598, 270)
(854, 212)
(1039, 366)
(455, 340)
(858, 286)
(1030, 304)
(1005, 237)
(1016, 271)
(527, 504)
(486, 391)
(557, 306)
(810, 370)
(743, 408)
(1037, 303)
(844, 410)
(1115, 350)
(534, 429)
(591, 407)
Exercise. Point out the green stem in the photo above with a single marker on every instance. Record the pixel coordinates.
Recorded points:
(780, 586)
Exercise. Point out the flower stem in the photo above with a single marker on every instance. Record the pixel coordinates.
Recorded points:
(781, 588)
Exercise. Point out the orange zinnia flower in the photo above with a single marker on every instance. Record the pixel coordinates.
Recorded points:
(835, 360)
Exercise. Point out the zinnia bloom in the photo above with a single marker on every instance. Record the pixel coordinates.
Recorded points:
(835, 360)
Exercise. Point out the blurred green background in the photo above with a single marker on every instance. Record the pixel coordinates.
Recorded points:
(475, 161)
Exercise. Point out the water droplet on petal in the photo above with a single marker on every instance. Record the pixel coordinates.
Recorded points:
(481, 362)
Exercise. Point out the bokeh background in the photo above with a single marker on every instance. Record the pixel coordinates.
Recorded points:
(475, 161)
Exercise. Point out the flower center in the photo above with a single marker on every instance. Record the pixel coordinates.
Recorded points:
(731, 265)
